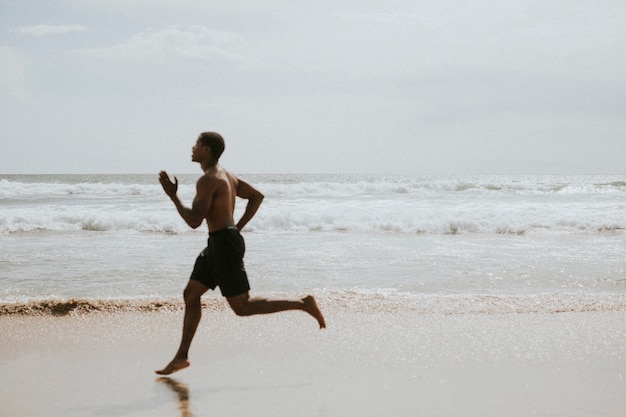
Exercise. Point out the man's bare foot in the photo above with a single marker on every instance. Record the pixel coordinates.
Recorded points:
(310, 306)
(175, 365)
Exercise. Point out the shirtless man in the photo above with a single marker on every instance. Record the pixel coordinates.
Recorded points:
(221, 263)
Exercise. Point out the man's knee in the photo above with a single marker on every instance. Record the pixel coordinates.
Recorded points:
(240, 305)
(241, 309)
(191, 297)
(192, 293)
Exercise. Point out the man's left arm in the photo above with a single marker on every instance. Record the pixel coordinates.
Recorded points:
(254, 197)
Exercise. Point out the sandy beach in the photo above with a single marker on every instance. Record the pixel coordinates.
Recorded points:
(367, 363)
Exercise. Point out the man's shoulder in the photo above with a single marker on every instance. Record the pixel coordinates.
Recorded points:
(207, 182)
(216, 178)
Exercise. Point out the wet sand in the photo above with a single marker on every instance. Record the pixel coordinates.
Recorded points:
(364, 364)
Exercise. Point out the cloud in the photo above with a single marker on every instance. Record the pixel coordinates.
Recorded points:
(196, 42)
(13, 74)
(43, 30)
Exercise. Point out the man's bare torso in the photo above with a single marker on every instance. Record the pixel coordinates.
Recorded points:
(218, 188)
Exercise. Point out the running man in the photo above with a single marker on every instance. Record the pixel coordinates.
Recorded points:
(221, 263)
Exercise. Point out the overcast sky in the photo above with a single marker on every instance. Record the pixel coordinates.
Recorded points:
(327, 86)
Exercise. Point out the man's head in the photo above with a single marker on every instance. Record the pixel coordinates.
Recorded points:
(214, 141)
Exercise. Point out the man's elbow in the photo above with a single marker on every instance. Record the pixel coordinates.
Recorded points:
(194, 223)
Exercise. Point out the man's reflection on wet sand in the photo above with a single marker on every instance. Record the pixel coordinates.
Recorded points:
(182, 392)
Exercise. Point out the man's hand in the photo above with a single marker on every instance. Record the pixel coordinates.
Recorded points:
(169, 187)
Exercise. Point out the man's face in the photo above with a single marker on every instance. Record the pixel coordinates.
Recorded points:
(199, 151)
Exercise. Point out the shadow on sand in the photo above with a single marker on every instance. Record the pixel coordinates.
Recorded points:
(182, 392)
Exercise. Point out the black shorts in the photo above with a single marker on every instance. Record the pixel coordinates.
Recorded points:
(221, 263)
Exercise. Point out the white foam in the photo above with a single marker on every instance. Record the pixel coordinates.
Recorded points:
(486, 204)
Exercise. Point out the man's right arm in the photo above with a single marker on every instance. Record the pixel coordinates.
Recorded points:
(254, 197)
(202, 201)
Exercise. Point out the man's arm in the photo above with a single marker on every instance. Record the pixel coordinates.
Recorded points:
(254, 197)
(202, 201)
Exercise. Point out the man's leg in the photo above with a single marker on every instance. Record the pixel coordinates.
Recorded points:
(193, 312)
(243, 305)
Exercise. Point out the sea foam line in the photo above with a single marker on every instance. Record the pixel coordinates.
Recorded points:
(348, 301)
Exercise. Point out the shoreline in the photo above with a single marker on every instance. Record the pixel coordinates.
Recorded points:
(362, 300)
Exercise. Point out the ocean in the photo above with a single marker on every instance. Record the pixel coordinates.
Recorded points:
(453, 244)
(466, 296)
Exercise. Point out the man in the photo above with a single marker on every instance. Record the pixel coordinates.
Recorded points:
(221, 263)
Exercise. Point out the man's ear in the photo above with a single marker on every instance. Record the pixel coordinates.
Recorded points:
(208, 151)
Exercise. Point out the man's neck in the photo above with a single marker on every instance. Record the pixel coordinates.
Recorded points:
(208, 166)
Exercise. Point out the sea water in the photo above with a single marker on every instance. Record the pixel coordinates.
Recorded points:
(431, 243)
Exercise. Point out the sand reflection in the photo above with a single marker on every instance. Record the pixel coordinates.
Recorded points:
(182, 392)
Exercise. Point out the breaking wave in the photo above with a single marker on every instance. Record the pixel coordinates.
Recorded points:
(399, 204)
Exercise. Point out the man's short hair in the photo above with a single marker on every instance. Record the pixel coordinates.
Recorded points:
(215, 141)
